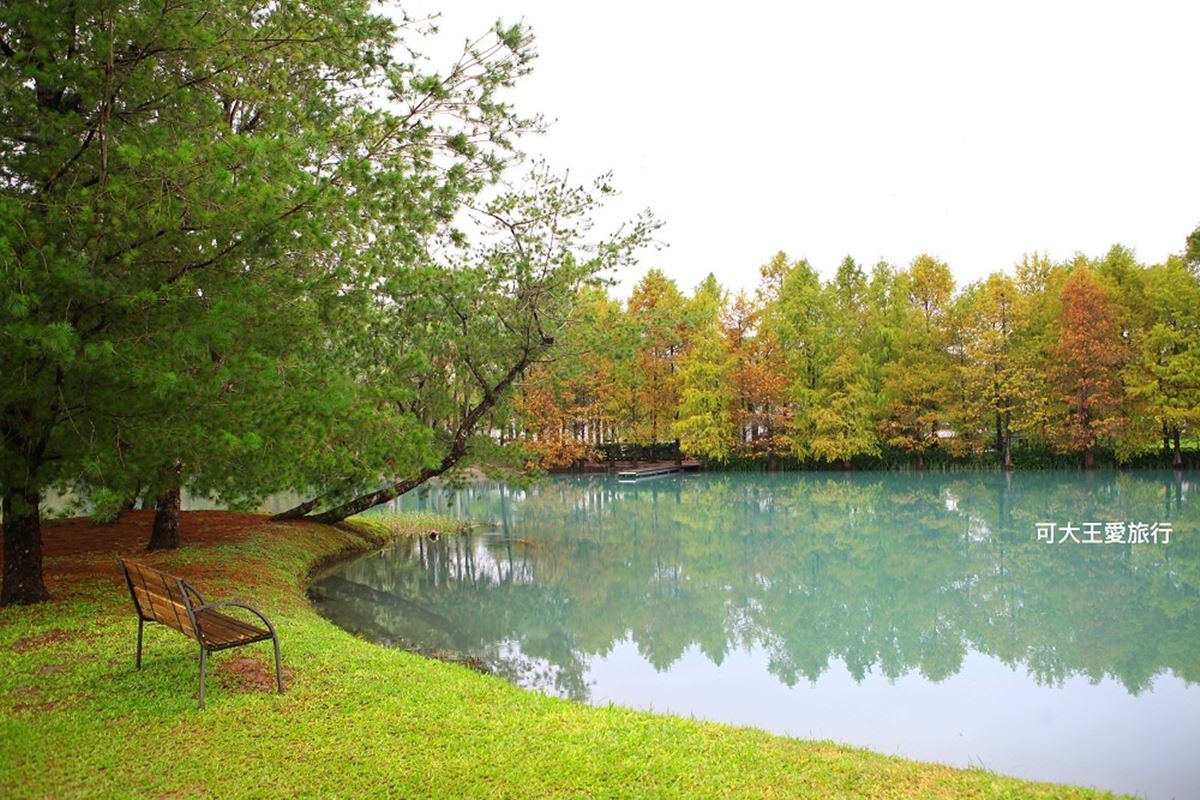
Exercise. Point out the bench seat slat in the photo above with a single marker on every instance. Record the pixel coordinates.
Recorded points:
(222, 630)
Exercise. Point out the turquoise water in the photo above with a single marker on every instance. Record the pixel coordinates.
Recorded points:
(916, 615)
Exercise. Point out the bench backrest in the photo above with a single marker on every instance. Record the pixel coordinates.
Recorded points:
(160, 597)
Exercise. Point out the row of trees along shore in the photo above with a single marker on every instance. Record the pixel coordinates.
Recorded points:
(251, 248)
(1055, 361)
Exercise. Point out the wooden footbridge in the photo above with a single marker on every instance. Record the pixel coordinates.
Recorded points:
(651, 470)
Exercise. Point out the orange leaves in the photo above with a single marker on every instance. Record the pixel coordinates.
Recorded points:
(551, 416)
(1086, 361)
(760, 384)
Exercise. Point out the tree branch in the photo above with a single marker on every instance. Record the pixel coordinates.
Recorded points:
(457, 449)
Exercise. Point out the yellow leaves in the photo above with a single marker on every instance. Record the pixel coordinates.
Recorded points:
(551, 416)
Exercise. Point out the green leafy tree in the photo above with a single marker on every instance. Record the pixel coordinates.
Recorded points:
(883, 312)
(841, 417)
(485, 318)
(799, 319)
(1164, 373)
(705, 421)
(1038, 306)
(160, 166)
(992, 375)
(1191, 254)
(170, 176)
(657, 307)
(914, 382)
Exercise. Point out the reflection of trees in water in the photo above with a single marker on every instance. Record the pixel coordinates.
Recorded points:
(450, 599)
(888, 573)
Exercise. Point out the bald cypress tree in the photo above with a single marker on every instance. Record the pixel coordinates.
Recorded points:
(1086, 365)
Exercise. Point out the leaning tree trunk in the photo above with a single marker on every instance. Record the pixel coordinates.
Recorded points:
(165, 533)
(369, 501)
(298, 511)
(920, 461)
(457, 448)
(1177, 461)
(1089, 458)
(22, 549)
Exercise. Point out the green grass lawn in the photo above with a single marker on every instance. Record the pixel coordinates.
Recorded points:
(76, 718)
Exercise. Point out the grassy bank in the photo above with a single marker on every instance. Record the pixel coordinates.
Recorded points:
(76, 718)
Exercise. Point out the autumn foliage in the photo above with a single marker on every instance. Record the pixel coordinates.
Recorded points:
(1086, 364)
(1052, 359)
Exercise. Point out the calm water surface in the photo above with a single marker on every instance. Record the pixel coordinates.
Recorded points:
(914, 615)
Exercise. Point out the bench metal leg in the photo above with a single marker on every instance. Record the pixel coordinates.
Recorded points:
(203, 663)
(278, 663)
(141, 624)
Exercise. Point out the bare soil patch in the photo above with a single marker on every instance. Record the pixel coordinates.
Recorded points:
(250, 674)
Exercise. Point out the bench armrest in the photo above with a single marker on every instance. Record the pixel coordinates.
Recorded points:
(234, 604)
(187, 587)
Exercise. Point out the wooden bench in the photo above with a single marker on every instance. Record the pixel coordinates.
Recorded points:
(166, 599)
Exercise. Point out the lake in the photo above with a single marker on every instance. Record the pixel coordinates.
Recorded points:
(917, 615)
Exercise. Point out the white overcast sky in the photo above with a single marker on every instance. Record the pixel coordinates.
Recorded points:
(877, 129)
